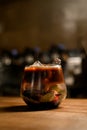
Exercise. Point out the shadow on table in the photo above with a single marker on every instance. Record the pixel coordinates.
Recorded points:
(23, 108)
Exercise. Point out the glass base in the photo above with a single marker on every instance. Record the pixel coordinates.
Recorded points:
(41, 105)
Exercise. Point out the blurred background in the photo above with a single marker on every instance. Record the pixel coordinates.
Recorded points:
(43, 29)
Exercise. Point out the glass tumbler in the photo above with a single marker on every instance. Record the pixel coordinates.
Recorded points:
(43, 85)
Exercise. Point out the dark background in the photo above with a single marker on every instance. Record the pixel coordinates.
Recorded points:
(42, 22)
(34, 28)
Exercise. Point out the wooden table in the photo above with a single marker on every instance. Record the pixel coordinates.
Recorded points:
(15, 115)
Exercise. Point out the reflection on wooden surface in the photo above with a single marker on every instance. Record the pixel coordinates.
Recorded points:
(72, 112)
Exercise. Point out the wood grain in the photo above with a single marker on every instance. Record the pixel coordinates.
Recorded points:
(15, 115)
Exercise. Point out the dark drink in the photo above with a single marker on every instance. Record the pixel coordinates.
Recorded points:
(43, 85)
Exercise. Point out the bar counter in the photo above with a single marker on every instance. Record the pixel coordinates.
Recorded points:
(70, 115)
